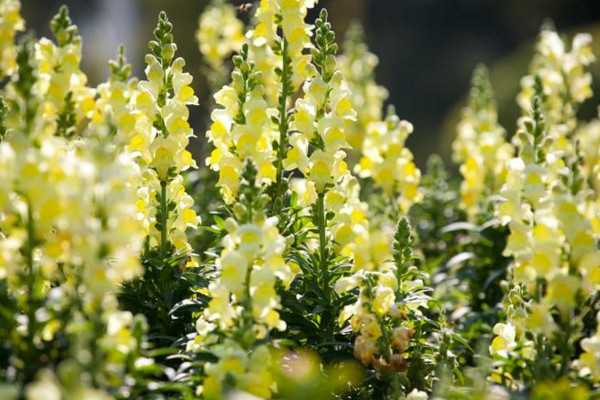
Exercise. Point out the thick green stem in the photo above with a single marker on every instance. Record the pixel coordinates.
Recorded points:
(328, 320)
(31, 363)
(164, 216)
(566, 346)
(244, 333)
(394, 208)
(321, 222)
(30, 245)
(283, 117)
(395, 388)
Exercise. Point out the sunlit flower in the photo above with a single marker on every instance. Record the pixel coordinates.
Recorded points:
(389, 163)
(220, 33)
(241, 130)
(358, 66)
(158, 131)
(480, 146)
(10, 23)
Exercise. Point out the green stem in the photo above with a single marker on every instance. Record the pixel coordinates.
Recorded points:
(395, 388)
(565, 348)
(283, 117)
(164, 214)
(30, 244)
(30, 369)
(322, 240)
(95, 364)
(247, 317)
(328, 320)
(394, 211)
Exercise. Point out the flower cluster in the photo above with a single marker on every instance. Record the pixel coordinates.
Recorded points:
(281, 26)
(65, 100)
(320, 117)
(389, 163)
(10, 23)
(159, 134)
(358, 66)
(565, 81)
(366, 242)
(255, 140)
(242, 129)
(220, 33)
(384, 315)
(535, 240)
(480, 146)
(552, 243)
(244, 302)
(67, 236)
(65, 202)
(250, 264)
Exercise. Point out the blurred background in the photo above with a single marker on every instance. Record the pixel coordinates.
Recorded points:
(427, 48)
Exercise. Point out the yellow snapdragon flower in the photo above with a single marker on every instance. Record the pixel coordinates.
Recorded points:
(75, 206)
(220, 33)
(244, 300)
(159, 133)
(358, 66)
(250, 264)
(552, 240)
(377, 296)
(589, 361)
(480, 146)
(376, 314)
(74, 200)
(250, 374)
(505, 339)
(389, 163)
(11, 22)
(242, 129)
(322, 115)
(289, 16)
(61, 86)
(565, 81)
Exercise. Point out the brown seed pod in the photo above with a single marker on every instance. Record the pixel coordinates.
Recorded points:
(400, 338)
(398, 363)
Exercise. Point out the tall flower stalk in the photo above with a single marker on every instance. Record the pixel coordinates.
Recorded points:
(160, 135)
(279, 42)
(244, 305)
(480, 147)
(358, 65)
(317, 145)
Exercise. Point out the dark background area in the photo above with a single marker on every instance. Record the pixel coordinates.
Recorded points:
(427, 48)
